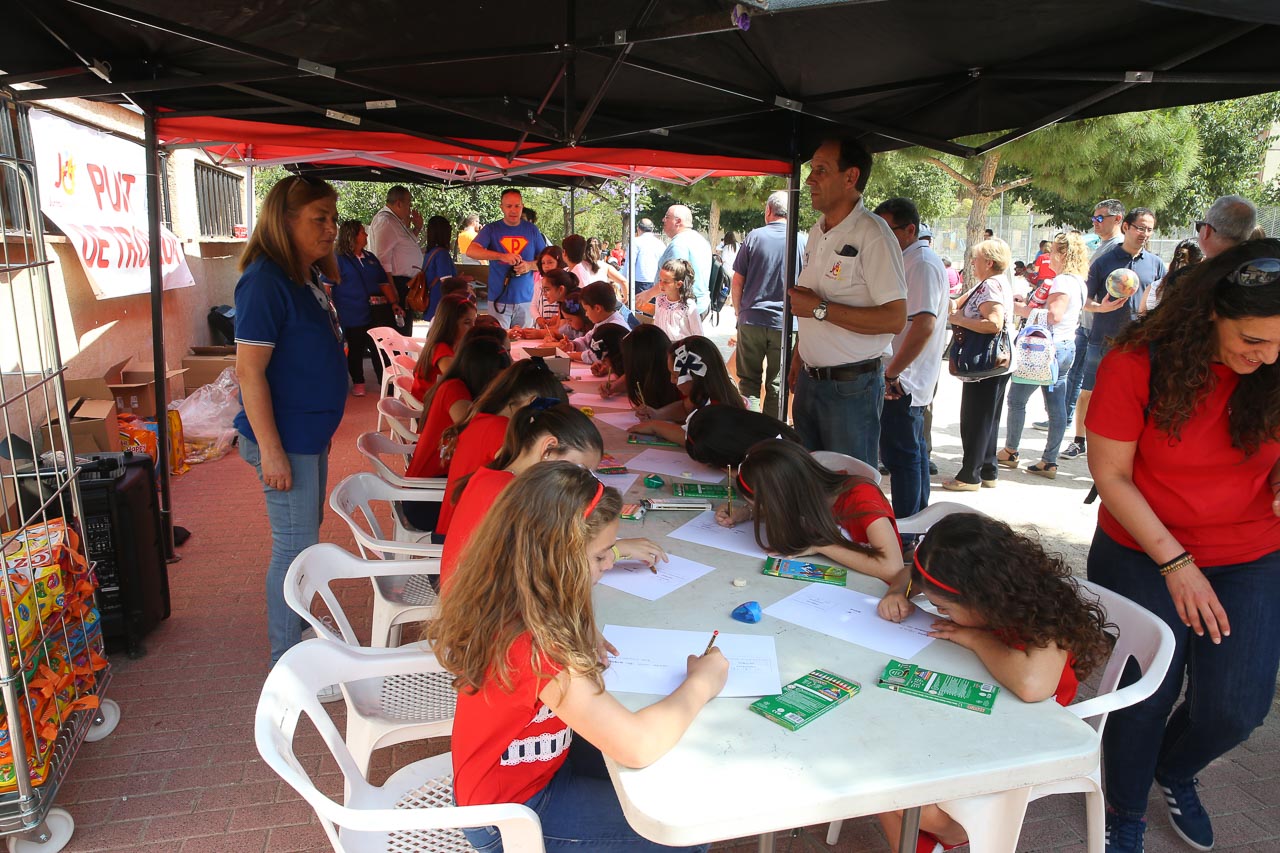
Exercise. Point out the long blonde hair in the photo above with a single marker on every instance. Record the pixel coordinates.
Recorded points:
(526, 568)
(1075, 254)
(271, 238)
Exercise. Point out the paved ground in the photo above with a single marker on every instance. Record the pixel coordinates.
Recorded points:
(181, 772)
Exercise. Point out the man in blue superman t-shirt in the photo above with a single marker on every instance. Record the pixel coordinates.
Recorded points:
(511, 246)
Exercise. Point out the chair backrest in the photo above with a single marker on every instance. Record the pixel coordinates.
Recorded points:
(290, 692)
(400, 417)
(385, 339)
(375, 445)
(845, 464)
(356, 495)
(1142, 637)
(313, 572)
(404, 391)
(404, 364)
(919, 524)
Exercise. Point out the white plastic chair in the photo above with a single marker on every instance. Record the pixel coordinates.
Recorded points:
(845, 464)
(994, 821)
(397, 599)
(395, 350)
(382, 711)
(375, 445)
(402, 389)
(402, 419)
(413, 809)
(919, 524)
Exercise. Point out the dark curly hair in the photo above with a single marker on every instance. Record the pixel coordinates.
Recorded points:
(1182, 338)
(1016, 587)
(792, 495)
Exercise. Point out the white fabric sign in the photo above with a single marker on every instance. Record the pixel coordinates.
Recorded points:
(94, 186)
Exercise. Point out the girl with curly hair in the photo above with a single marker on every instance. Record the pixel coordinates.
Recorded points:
(1014, 606)
(1184, 435)
(517, 629)
(800, 508)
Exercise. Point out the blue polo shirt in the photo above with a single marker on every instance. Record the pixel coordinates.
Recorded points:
(1148, 267)
(525, 240)
(762, 263)
(362, 277)
(307, 373)
(436, 264)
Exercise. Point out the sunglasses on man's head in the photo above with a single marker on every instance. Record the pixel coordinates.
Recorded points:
(1256, 273)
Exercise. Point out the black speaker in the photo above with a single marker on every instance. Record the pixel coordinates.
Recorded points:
(123, 537)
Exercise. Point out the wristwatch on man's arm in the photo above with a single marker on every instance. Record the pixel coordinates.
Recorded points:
(820, 311)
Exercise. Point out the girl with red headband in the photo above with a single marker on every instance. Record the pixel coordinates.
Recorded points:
(801, 508)
(1013, 605)
(518, 631)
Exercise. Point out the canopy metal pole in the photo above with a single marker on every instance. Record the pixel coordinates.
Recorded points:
(793, 225)
(248, 198)
(155, 258)
(631, 242)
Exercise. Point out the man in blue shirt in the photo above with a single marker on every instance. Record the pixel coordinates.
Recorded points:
(758, 290)
(1110, 314)
(511, 246)
(688, 245)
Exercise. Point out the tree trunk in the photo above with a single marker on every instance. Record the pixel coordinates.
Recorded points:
(713, 225)
(981, 195)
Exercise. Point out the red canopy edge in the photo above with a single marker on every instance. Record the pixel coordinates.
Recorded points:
(264, 143)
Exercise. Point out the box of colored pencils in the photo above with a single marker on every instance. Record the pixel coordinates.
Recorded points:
(805, 699)
(609, 464)
(686, 504)
(938, 686)
(634, 512)
(649, 440)
(803, 570)
(702, 490)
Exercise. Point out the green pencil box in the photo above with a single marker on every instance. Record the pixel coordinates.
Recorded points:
(650, 440)
(805, 699)
(938, 686)
(803, 570)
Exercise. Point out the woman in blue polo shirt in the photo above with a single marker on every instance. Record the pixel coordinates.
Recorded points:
(291, 367)
(365, 298)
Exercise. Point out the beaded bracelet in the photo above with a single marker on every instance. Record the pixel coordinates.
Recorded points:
(1178, 562)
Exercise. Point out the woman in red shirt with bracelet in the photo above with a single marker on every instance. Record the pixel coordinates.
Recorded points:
(1183, 447)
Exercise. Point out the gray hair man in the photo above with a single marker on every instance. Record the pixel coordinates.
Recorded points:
(688, 245)
(393, 239)
(1228, 222)
(758, 289)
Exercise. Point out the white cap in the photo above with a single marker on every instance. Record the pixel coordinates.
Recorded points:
(924, 233)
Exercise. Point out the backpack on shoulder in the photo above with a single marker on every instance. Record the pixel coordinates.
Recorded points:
(718, 284)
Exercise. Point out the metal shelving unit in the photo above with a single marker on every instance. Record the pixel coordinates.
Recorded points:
(34, 495)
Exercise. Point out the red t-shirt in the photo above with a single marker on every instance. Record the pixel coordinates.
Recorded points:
(482, 490)
(476, 447)
(422, 386)
(506, 743)
(859, 507)
(1215, 501)
(426, 456)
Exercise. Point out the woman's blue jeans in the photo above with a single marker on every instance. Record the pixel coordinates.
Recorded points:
(579, 811)
(1055, 402)
(295, 525)
(1230, 686)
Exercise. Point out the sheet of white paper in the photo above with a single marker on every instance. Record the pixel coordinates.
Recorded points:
(637, 578)
(621, 482)
(703, 530)
(590, 398)
(655, 660)
(621, 420)
(673, 463)
(850, 615)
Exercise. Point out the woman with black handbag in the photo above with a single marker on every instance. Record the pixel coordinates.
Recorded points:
(981, 358)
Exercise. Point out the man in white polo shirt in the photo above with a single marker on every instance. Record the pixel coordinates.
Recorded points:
(849, 301)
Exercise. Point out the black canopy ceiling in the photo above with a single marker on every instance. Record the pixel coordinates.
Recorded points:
(648, 74)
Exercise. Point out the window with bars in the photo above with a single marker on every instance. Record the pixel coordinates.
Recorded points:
(219, 200)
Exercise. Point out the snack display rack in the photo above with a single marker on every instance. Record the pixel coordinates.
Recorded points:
(53, 669)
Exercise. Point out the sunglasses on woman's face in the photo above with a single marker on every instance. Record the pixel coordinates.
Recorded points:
(1256, 273)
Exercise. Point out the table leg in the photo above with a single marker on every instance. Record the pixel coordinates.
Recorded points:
(766, 842)
(910, 829)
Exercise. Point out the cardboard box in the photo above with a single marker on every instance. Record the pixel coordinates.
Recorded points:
(204, 370)
(133, 389)
(92, 426)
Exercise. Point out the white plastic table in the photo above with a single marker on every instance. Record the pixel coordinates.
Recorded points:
(736, 774)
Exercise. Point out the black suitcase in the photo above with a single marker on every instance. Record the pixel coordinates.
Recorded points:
(123, 536)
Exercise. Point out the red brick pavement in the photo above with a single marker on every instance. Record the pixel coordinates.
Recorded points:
(181, 775)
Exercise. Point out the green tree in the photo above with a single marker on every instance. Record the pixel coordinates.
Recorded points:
(739, 194)
(1136, 157)
(893, 174)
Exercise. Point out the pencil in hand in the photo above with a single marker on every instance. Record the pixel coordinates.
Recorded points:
(712, 642)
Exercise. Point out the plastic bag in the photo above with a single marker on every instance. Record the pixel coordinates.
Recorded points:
(207, 415)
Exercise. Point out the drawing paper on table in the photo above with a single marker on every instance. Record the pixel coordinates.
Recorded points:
(703, 530)
(621, 420)
(674, 463)
(635, 577)
(655, 660)
(590, 398)
(851, 616)
(621, 482)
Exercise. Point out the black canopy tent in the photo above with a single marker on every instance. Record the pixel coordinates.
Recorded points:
(761, 80)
